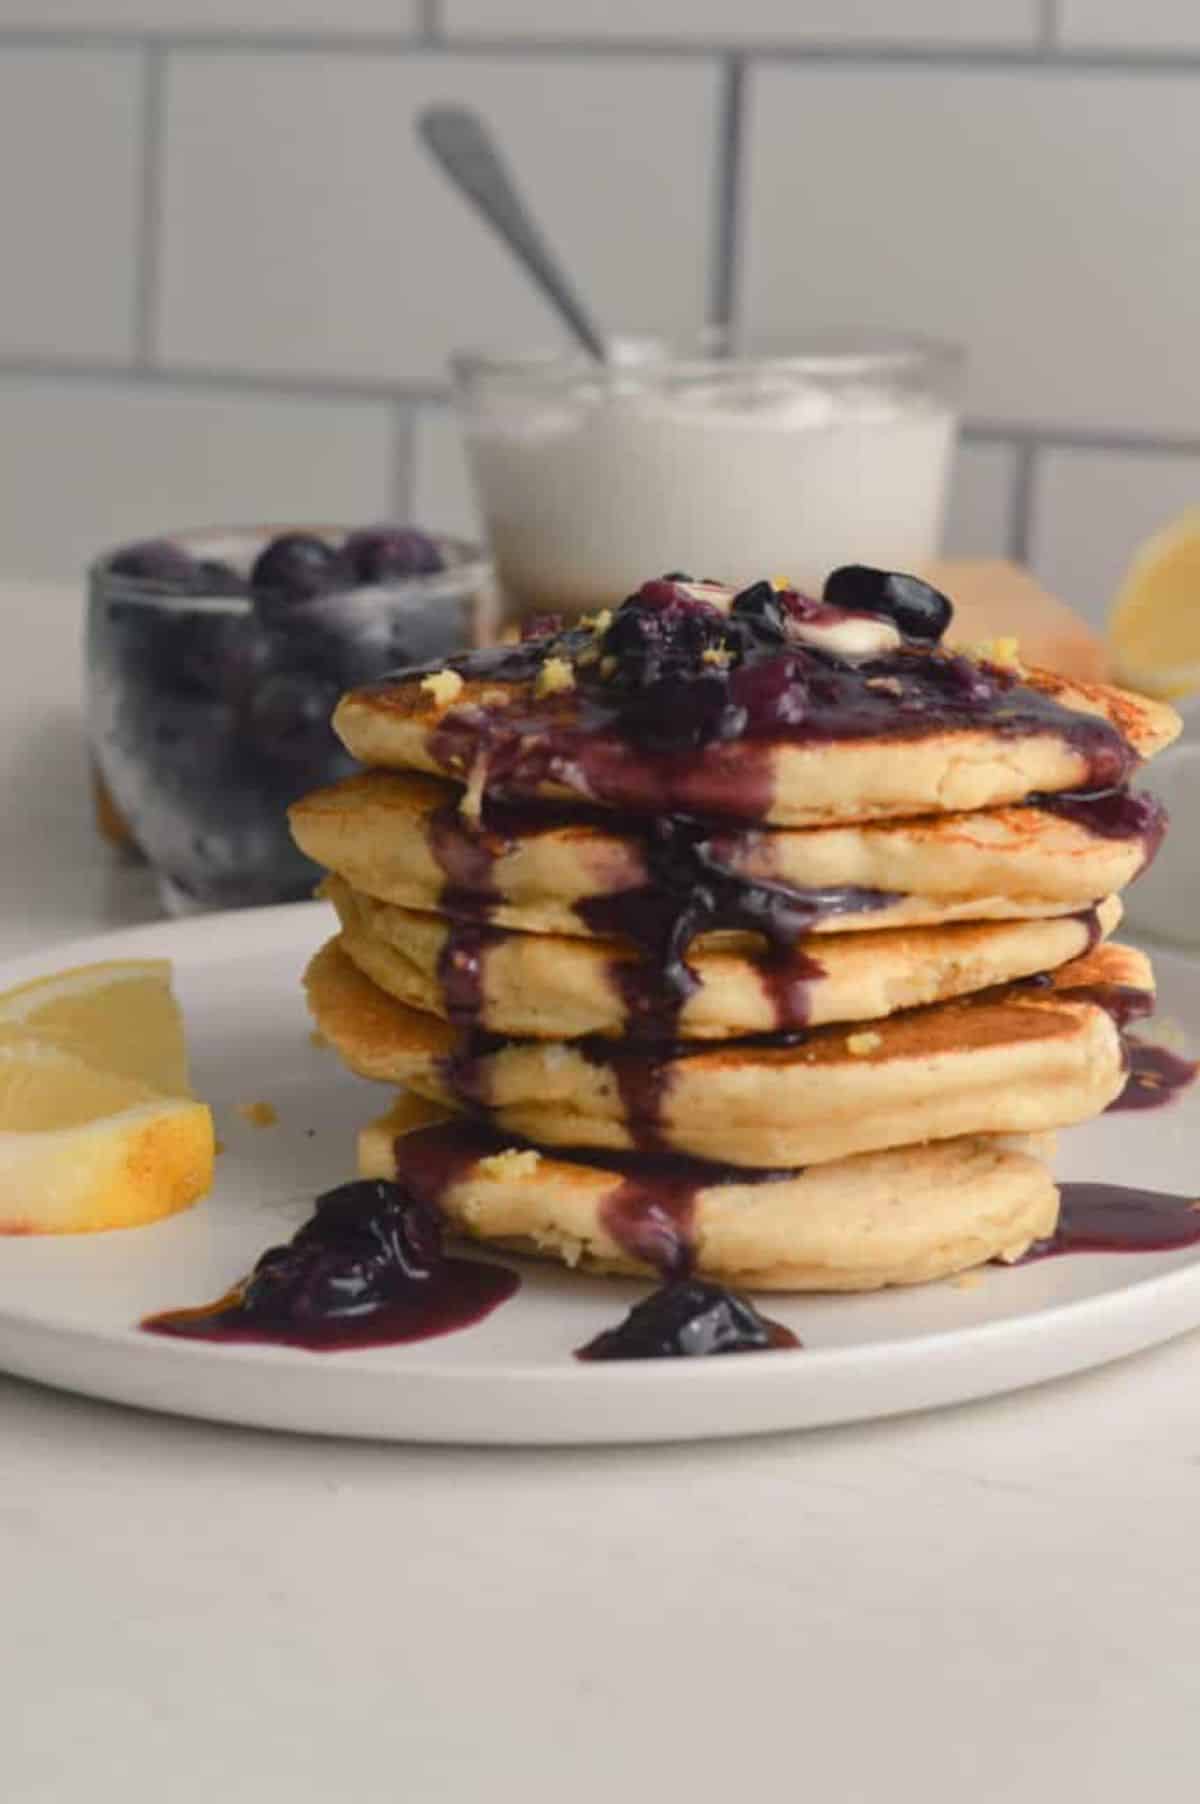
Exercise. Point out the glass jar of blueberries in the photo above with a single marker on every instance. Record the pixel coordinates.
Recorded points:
(214, 660)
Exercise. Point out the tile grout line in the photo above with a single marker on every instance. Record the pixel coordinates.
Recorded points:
(1049, 34)
(1020, 519)
(85, 372)
(148, 258)
(1040, 52)
(727, 180)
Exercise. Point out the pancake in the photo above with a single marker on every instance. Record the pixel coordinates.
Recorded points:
(757, 707)
(1017, 1060)
(402, 838)
(885, 1218)
(552, 988)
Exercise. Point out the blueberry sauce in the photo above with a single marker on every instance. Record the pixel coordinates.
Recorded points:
(466, 857)
(677, 706)
(687, 889)
(1110, 1218)
(1112, 813)
(649, 1212)
(649, 1215)
(689, 1319)
(1156, 1076)
(460, 969)
(367, 1269)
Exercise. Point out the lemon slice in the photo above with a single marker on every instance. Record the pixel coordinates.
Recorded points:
(120, 1017)
(82, 1149)
(1154, 623)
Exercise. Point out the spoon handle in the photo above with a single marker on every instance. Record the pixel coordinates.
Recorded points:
(462, 145)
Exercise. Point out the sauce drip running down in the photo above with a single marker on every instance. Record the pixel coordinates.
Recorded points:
(689, 888)
(649, 1214)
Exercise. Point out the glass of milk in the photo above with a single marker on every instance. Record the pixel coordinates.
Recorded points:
(785, 459)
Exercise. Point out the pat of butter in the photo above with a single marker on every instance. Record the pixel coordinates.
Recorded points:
(853, 636)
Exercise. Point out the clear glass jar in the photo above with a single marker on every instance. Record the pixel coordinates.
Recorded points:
(208, 706)
(778, 460)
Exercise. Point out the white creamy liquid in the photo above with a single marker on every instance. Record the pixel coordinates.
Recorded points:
(586, 497)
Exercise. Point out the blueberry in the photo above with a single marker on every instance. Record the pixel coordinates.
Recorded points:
(297, 566)
(689, 1319)
(155, 561)
(384, 554)
(408, 1231)
(658, 628)
(920, 611)
(288, 716)
(762, 609)
(188, 654)
(367, 1243)
(215, 577)
(677, 576)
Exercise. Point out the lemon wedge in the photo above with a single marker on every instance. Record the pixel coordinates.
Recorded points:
(119, 1016)
(1154, 623)
(97, 1125)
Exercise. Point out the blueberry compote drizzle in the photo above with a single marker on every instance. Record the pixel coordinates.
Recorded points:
(1156, 1076)
(689, 887)
(689, 1319)
(1111, 1218)
(366, 1270)
(689, 890)
(649, 1214)
(1112, 813)
(676, 704)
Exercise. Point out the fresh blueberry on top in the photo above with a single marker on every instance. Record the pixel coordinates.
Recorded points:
(297, 566)
(689, 1319)
(382, 554)
(919, 610)
(677, 576)
(662, 627)
(762, 608)
(155, 561)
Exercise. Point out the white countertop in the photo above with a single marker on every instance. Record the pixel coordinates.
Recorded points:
(995, 1602)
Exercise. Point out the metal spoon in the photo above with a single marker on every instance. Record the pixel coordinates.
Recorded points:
(463, 146)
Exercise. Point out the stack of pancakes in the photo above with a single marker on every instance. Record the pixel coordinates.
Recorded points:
(741, 934)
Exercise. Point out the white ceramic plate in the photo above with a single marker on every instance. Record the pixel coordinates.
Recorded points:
(69, 1307)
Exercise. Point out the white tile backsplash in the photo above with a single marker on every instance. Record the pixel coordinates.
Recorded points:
(922, 164)
(773, 21)
(1115, 24)
(348, 253)
(394, 17)
(1093, 509)
(69, 163)
(85, 465)
(1042, 218)
(981, 503)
